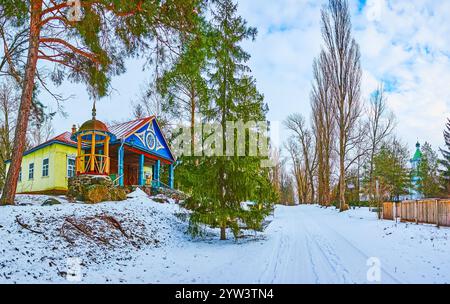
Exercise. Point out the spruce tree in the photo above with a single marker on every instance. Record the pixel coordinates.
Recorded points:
(391, 170)
(428, 184)
(221, 183)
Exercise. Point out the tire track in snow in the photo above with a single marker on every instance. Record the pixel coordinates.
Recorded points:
(360, 252)
(328, 255)
(332, 260)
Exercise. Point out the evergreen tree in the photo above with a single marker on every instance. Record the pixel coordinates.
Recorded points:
(219, 184)
(392, 171)
(428, 172)
(445, 161)
(184, 88)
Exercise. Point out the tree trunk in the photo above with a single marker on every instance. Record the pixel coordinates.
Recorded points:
(25, 106)
(223, 233)
(320, 172)
(341, 184)
(192, 110)
(342, 164)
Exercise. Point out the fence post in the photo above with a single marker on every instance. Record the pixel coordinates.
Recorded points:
(437, 212)
(415, 212)
(394, 211)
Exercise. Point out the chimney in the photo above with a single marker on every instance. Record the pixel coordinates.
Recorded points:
(74, 129)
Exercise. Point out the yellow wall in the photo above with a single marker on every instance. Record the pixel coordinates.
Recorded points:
(57, 177)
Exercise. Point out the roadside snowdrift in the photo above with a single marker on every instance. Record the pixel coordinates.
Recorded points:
(36, 241)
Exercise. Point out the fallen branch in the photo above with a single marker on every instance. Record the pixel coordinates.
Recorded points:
(26, 226)
(62, 232)
(85, 232)
(115, 223)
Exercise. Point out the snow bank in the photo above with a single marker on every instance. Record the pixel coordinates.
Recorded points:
(138, 193)
(38, 242)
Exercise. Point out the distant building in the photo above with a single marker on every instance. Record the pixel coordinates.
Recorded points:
(415, 162)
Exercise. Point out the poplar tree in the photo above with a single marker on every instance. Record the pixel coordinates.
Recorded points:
(445, 161)
(342, 56)
(87, 41)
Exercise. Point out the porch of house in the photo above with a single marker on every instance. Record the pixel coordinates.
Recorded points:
(130, 166)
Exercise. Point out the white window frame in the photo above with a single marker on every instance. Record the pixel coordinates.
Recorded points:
(70, 157)
(46, 168)
(31, 171)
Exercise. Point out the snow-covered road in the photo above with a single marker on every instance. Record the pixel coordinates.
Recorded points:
(308, 244)
(302, 244)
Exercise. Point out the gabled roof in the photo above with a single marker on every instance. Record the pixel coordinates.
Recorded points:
(63, 138)
(147, 136)
(123, 130)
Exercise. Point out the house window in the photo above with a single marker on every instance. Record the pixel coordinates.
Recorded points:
(31, 171)
(70, 167)
(45, 167)
(20, 174)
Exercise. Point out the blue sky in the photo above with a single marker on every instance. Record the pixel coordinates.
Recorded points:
(405, 44)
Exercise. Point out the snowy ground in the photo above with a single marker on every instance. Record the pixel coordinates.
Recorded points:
(304, 244)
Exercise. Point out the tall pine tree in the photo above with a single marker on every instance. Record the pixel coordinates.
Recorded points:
(87, 41)
(220, 183)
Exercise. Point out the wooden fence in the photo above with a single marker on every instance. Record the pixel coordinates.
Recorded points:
(429, 211)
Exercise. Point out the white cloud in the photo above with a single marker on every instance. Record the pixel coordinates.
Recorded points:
(403, 43)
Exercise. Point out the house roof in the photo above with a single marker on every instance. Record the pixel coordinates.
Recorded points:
(121, 131)
(63, 138)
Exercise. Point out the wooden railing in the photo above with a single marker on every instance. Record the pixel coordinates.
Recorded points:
(429, 211)
(96, 163)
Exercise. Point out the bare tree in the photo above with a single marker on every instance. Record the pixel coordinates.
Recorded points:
(287, 195)
(298, 170)
(275, 172)
(323, 127)
(281, 178)
(342, 55)
(148, 103)
(296, 123)
(9, 102)
(39, 133)
(381, 122)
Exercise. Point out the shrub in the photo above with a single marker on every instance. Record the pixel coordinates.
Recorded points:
(97, 193)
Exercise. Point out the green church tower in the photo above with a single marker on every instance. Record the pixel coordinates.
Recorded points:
(415, 162)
